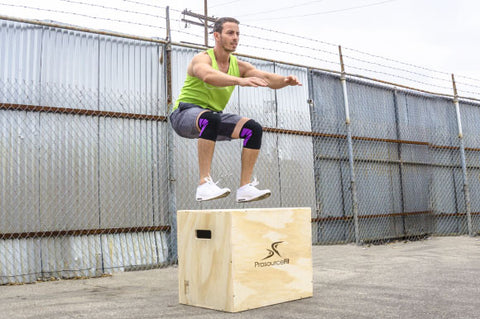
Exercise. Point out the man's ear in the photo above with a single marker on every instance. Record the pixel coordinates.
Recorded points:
(216, 35)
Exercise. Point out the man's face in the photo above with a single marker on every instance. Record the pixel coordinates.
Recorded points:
(228, 39)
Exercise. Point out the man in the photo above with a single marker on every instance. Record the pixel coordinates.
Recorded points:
(198, 111)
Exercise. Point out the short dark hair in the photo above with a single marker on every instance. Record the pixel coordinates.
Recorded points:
(218, 26)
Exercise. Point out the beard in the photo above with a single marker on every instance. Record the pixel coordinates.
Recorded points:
(229, 46)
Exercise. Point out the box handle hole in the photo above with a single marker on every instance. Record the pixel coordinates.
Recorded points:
(204, 234)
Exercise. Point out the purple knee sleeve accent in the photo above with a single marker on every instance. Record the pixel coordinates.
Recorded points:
(203, 124)
(246, 133)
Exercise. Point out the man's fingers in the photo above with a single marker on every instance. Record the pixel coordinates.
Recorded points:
(292, 80)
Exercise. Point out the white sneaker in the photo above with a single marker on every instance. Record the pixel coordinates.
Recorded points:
(210, 190)
(249, 193)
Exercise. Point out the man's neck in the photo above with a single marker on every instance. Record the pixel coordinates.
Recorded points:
(221, 55)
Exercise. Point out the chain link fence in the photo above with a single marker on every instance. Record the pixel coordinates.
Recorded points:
(91, 174)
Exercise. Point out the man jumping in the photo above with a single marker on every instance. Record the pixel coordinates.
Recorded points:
(198, 111)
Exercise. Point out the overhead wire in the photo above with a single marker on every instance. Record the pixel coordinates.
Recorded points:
(279, 9)
(346, 56)
(290, 34)
(397, 76)
(368, 54)
(353, 50)
(288, 43)
(397, 69)
(115, 8)
(295, 54)
(83, 15)
(144, 4)
(223, 4)
(396, 61)
(328, 12)
(185, 32)
(313, 45)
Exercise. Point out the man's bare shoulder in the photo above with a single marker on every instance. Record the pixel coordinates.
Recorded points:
(199, 59)
(202, 57)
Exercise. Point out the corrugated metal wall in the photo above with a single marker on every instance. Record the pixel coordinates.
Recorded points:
(84, 181)
(64, 171)
(470, 114)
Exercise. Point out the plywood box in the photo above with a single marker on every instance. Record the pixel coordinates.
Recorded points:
(239, 259)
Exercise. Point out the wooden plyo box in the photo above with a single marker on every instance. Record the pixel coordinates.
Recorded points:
(240, 259)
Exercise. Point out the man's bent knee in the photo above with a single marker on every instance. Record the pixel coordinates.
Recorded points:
(251, 133)
(208, 124)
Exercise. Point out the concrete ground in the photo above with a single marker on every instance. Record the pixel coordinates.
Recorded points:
(432, 278)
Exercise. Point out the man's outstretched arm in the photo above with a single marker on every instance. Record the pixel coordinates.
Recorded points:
(201, 68)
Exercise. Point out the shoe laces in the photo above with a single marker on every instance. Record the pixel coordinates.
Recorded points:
(209, 180)
(254, 183)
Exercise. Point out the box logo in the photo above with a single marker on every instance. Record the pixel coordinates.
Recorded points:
(272, 252)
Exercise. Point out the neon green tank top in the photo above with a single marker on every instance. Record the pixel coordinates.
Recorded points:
(197, 92)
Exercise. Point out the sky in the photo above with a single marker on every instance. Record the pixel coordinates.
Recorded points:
(440, 35)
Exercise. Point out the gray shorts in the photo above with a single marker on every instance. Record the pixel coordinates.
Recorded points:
(184, 122)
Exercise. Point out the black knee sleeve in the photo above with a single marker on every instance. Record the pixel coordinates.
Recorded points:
(208, 123)
(251, 133)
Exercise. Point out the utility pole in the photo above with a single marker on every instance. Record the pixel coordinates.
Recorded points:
(203, 20)
(205, 9)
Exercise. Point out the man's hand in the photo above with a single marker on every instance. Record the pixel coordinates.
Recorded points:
(253, 82)
(292, 80)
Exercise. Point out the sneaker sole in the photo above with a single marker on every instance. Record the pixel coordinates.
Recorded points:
(212, 198)
(254, 199)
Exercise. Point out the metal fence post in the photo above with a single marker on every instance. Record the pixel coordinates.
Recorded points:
(466, 190)
(172, 200)
(311, 104)
(353, 186)
(400, 158)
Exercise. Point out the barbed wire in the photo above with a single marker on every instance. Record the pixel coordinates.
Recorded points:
(355, 50)
(288, 43)
(82, 15)
(350, 57)
(291, 35)
(467, 84)
(397, 76)
(396, 61)
(336, 45)
(410, 65)
(281, 44)
(223, 4)
(445, 79)
(296, 5)
(328, 12)
(468, 92)
(115, 8)
(174, 10)
(399, 69)
(467, 78)
(185, 32)
(145, 4)
(295, 54)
